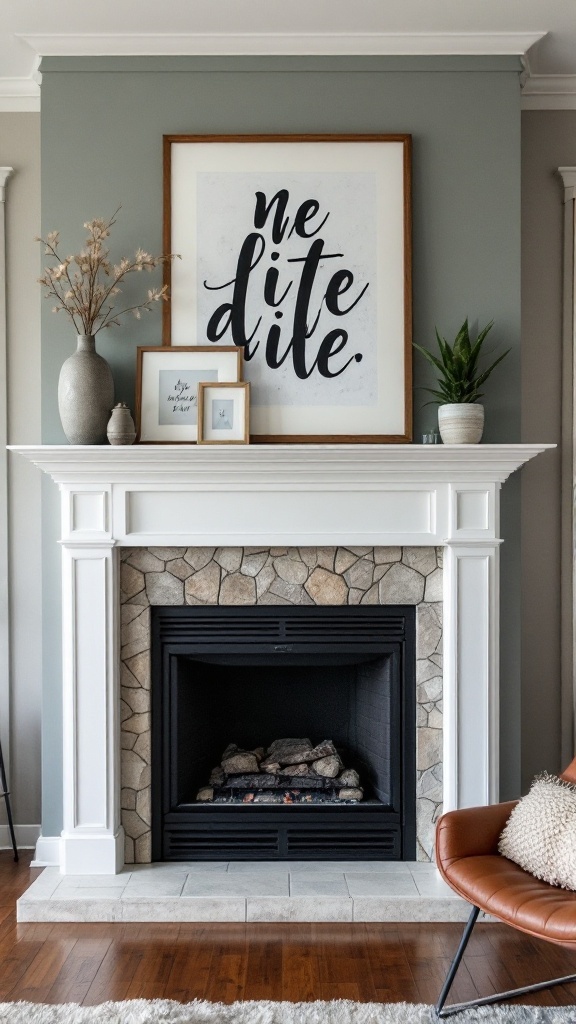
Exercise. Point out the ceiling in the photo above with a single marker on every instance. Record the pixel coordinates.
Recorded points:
(546, 28)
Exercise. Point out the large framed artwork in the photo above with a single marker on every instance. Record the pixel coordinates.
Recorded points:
(298, 250)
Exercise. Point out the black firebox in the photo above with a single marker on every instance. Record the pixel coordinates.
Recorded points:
(250, 675)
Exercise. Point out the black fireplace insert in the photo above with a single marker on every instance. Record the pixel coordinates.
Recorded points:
(252, 675)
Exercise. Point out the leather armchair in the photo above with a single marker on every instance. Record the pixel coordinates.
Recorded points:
(468, 860)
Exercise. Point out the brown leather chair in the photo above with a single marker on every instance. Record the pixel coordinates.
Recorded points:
(468, 860)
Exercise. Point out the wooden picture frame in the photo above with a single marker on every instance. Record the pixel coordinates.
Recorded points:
(167, 388)
(231, 404)
(298, 249)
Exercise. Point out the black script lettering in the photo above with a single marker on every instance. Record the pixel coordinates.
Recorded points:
(272, 276)
(329, 348)
(235, 311)
(339, 283)
(305, 212)
(261, 213)
(272, 344)
(300, 328)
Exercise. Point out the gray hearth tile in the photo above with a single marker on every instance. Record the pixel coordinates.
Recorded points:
(267, 868)
(43, 886)
(303, 908)
(69, 910)
(417, 908)
(199, 909)
(80, 894)
(235, 885)
(374, 884)
(155, 885)
(339, 866)
(318, 885)
(95, 881)
(433, 886)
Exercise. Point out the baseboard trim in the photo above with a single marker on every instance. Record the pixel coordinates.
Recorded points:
(47, 852)
(26, 837)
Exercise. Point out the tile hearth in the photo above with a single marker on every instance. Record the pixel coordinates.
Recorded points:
(247, 891)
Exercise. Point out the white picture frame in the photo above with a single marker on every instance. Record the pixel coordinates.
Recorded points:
(167, 388)
(298, 249)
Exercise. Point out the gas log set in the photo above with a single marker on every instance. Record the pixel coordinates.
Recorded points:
(290, 771)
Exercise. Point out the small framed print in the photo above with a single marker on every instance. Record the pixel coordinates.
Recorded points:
(167, 381)
(223, 413)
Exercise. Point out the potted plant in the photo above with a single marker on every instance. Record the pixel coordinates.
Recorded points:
(460, 415)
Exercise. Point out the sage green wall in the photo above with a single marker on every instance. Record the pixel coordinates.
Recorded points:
(548, 142)
(102, 126)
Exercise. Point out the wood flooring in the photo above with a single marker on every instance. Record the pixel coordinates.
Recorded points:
(91, 963)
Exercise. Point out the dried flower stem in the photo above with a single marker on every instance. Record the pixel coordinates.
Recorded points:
(85, 284)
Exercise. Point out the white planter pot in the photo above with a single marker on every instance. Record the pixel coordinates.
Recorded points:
(461, 423)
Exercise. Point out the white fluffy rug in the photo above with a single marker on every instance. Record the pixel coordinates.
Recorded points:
(163, 1011)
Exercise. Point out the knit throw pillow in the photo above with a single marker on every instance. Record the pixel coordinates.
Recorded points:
(540, 834)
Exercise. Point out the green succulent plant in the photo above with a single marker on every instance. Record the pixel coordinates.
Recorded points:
(460, 379)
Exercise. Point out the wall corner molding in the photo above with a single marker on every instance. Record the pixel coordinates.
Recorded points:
(5, 173)
(20, 95)
(548, 92)
(568, 175)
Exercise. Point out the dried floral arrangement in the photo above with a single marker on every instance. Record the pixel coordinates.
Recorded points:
(85, 285)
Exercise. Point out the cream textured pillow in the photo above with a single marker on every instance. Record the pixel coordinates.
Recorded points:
(540, 834)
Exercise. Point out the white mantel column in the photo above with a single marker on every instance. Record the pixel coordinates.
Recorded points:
(92, 839)
(471, 582)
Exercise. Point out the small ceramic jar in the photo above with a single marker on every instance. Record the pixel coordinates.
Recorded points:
(121, 429)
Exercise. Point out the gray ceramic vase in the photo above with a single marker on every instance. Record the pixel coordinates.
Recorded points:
(85, 394)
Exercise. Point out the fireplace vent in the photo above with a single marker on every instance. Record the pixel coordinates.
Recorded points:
(283, 841)
(304, 628)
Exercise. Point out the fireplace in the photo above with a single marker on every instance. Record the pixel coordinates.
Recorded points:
(249, 675)
(299, 496)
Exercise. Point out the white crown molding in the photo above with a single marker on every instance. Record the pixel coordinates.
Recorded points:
(19, 95)
(280, 43)
(568, 175)
(5, 173)
(549, 92)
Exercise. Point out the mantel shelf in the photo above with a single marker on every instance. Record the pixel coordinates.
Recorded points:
(313, 466)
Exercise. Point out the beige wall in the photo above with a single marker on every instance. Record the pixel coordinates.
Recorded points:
(548, 142)
(20, 149)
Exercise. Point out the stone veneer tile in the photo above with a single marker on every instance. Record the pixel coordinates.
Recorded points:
(280, 576)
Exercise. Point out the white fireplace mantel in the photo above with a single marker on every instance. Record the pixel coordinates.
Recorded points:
(272, 495)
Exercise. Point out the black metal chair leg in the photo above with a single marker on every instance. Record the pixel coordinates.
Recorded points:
(447, 1011)
(456, 962)
(4, 792)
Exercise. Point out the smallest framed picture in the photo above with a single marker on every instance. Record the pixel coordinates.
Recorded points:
(223, 413)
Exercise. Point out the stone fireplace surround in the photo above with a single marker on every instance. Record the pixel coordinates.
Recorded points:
(268, 497)
(275, 576)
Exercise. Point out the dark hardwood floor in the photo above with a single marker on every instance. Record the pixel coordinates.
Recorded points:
(91, 963)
